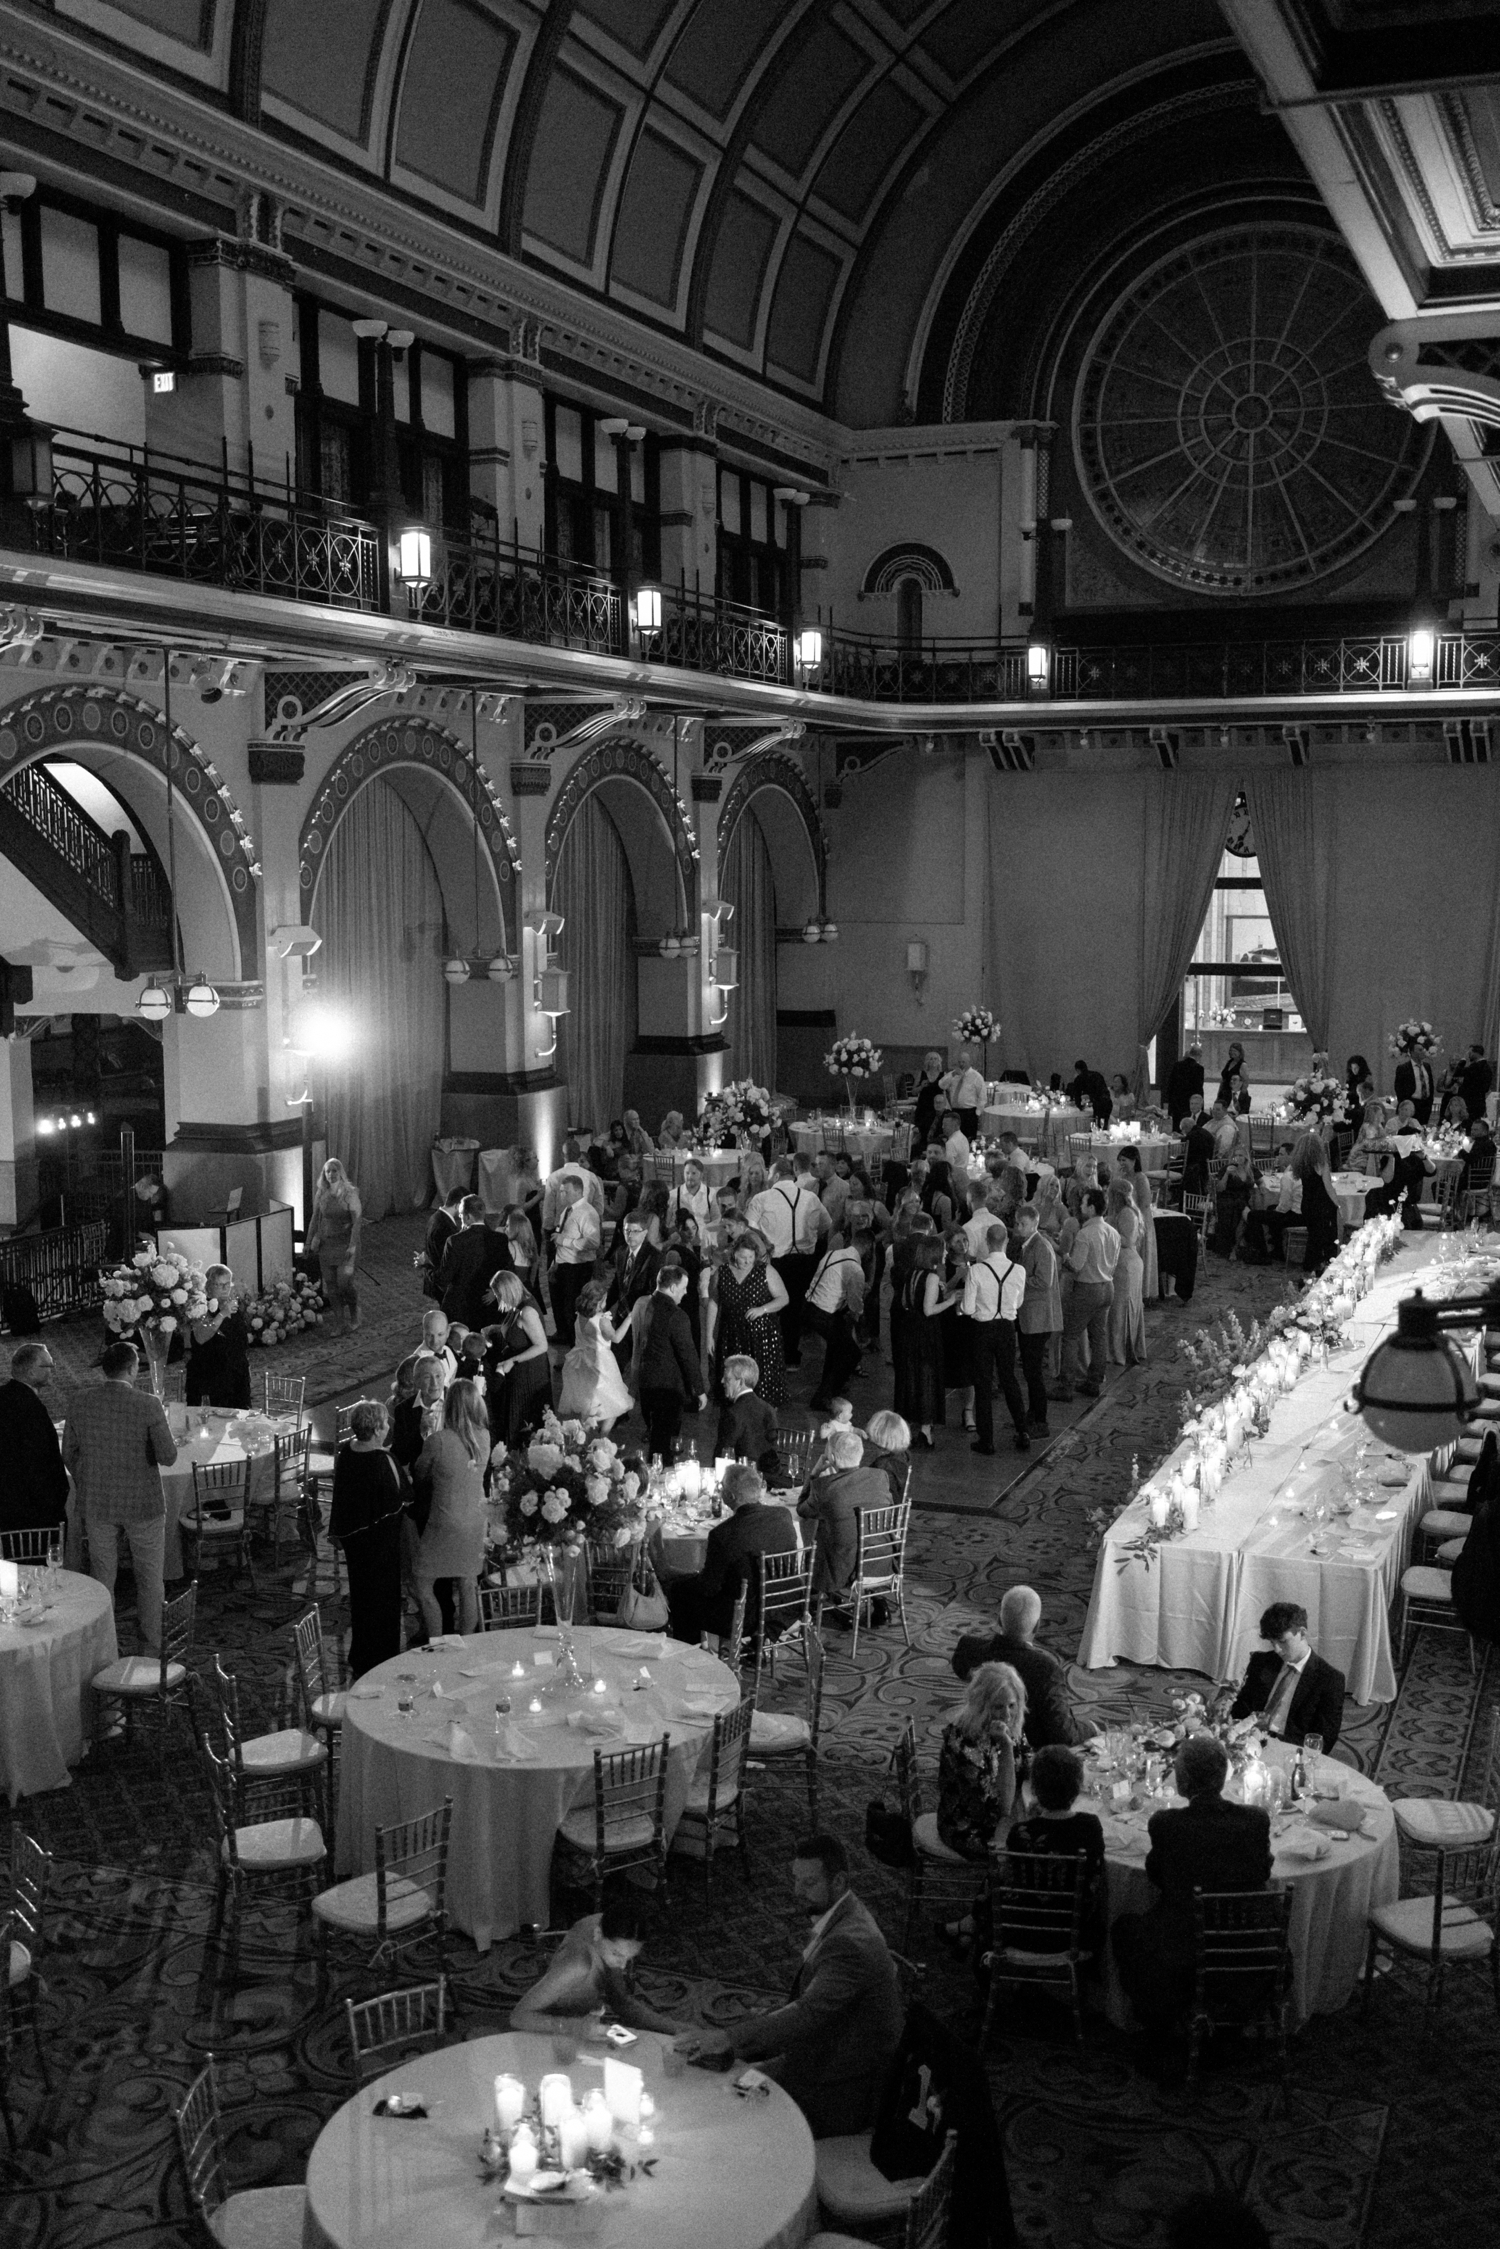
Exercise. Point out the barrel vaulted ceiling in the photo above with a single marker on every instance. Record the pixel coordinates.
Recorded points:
(783, 184)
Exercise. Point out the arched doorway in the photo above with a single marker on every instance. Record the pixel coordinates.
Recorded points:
(772, 870)
(909, 615)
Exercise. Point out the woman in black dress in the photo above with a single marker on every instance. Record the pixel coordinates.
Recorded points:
(1320, 1210)
(218, 1368)
(929, 1093)
(517, 1370)
(366, 1521)
(746, 1296)
(1234, 1067)
(917, 1341)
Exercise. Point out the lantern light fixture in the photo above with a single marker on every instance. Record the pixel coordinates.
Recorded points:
(414, 553)
(1038, 665)
(1417, 1390)
(809, 648)
(1421, 655)
(201, 998)
(648, 609)
(154, 1003)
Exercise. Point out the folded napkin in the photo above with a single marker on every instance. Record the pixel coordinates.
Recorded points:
(1304, 1843)
(602, 1721)
(365, 1694)
(460, 1745)
(1345, 1812)
(701, 1706)
(643, 1645)
(515, 1747)
(453, 1640)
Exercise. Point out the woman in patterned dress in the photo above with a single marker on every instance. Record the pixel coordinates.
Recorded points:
(744, 1298)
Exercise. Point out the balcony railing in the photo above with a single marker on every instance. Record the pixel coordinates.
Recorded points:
(60, 1268)
(495, 586)
(149, 513)
(701, 634)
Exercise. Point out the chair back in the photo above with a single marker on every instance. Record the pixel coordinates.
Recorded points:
(30, 1867)
(908, 1779)
(221, 1797)
(414, 1851)
(503, 1607)
(28, 1545)
(880, 1545)
(200, 2142)
(1481, 1164)
(783, 1584)
(1240, 1950)
(224, 1482)
(1464, 1888)
(726, 1756)
(173, 1386)
(312, 1660)
(796, 1444)
(629, 1785)
(1262, 1133)
(927, 2213)
(732, 1647)
(1037, 1899)
(816, 1666)
(1445, 1194)
(177, 1618)
(343, 1424)
(1489, 1795)
(383, 2030)
(609, 1574)
(227, 1696)
(293, 1457)
(285, 1393)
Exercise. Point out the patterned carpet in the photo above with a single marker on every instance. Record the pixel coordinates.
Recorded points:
(1382, 2139)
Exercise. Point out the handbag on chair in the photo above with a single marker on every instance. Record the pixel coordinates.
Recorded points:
(643, 1604)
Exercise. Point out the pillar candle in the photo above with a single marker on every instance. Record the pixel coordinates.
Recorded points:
(556, 2094)
(510, 2102)
(522, 2153)
(622, 2090)
(573, 2138)
(598, 2121)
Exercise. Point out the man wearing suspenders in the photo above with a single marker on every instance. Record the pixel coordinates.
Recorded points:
(993, 1288)
(793, 1220)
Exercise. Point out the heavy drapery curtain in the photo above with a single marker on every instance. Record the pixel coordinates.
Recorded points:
(750, 888)
(1187, 817)
(592, 892)
(1291, 819)
(380, 913)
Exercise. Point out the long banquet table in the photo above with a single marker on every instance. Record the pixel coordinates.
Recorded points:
(1197, 1607)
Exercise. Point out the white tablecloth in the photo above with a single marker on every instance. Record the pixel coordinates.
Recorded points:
(1331, 1898)
(871, 1143)
(1198, 1606)
(453, 1166)
(1048, 1129)
(1152, 1148)
(506, 1815)
(735, 2173)
(46, 1707)
(220, 1442)
(719, 1165)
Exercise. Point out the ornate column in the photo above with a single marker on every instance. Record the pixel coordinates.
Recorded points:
(238, 397)
(687, 469)
(18, 1175)
(507, 438)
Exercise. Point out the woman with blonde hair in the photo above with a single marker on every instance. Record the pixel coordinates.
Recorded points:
(452, 1466)
(333, 1237)
(517, 1369)
(979, 1763)
(1127, 1314)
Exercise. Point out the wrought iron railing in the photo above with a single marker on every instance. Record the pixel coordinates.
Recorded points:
(701, 634)
(154, 515)
(931, 672)
(496, 586)
(150, 900)
(67, 829)
(60, 1268)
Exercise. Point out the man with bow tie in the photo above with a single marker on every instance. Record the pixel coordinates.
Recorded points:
(1292, 1691)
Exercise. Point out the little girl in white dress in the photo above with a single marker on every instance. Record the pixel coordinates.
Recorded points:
(593, 1388)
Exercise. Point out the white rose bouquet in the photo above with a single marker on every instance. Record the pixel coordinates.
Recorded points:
(739, 1110)
(1316, 1097)
(853, 1057)
(151, 1298)
(1413, 1040)
(976, 1027)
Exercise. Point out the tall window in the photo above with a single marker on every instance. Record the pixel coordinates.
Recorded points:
(586, 511)
(338, 429)
(752, 544)
(1236, 981)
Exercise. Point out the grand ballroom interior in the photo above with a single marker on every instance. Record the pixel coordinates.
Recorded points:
(798, 578)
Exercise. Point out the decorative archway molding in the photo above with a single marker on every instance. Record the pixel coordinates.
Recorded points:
(390, 746)
(908, 559)
(73, 720)
(621, 758)
(773, 769)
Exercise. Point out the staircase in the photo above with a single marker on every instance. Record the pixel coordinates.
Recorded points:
(113, 896)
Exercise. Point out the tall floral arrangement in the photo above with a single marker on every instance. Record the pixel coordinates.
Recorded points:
(976, 1027)
(1414, 1040)
(1315, 1097)
(568, 1485)
(738, 1112)
(158, 1292)
(852, 1057)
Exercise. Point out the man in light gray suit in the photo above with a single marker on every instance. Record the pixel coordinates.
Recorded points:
(832, 2043)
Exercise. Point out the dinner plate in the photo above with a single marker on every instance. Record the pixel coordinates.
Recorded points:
(552, 2186)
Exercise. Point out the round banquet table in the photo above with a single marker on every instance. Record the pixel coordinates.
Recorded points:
(453, 1165)
(719, 1165)
(46, 1706)
(1331, 1897)
(224, 1438)
(737, 2173)
(871, 1143)
(1153, 1148)
(506, 1809)
(1047, 1128)
(1349, 1191)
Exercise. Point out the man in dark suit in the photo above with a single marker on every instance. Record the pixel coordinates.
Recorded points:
(1089, 1086)
(34, 1488)
(470, 1262)
(705, 1602)
(1475, 1080)
(1049, 1710)
(832, 2043)
(1414, 1084)
(1206, 1845)
(1184, 1079)
(1293, 1692)
(634, 1267)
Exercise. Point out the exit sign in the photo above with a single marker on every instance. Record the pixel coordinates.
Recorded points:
(163, 379)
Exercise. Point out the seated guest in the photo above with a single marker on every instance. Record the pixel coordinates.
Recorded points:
(1049, 1712)
(1237, 1096)
(832, 2043)
(1207, 1844)
(1264, 1230)
(670, 1133)
(832, 1501)
(977, 1765)
(888, 1448)
(1122, 1100)
(705, 1602)
(1293, 1692)
(1055, 1827)
(1223, 1130)
(590, 1975)
(34, 1488)
(218, 1367)
(747, 1424)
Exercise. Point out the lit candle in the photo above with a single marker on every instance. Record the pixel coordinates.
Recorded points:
(600, 1688)
(535, 1706)
(622, 2090)
(648, 2106)
(510, 2102)
(597, 2121)
(1189, 1506)
(572, 2138)
(645, 2137)
(1161, 1505)
(519, 1671)
(522, 2153)
(556, 2093)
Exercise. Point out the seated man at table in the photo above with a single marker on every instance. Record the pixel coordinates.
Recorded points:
(830, 1506)
(1049, 1710)
(1293, 1692)
(747, 1423)
(832, 2042)
(590, 1971)
(705, 1602)
(116, 1444)
(1206, 1844)
(34, 1488)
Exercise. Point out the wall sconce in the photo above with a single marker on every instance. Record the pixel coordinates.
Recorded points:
(501, 969)
(648, 609)
(916, 966)
(414, 557)
(1038, 667)
(809, 648)
(297, 939)
(154, 1003)
(456, 970)
(545, 926)
(1421, 654)
(201, 998)
(550, 998)
(31, 464)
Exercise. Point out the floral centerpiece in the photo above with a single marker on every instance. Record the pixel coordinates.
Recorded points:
(1316, 1097)
(737, 1115)
(148, 1300)
(285, 1309)
(976, 1027)
(1413, 1040)
(853, 1057)
(567, 1486)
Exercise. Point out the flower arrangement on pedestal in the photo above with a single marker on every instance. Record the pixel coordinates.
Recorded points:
(565, 1487)
(976, 1027)
(150, 1298)
(737, 1114)
(853, 1057)
(1316, 1097)
(1414, 1040)
(285, 1309)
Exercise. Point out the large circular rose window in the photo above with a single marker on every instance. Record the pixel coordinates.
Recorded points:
(1227, 430)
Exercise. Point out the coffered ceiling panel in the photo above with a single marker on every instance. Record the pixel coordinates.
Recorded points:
(742, 253)
(802, 99)
(719, 46)
(799, 309)
(322, 60)
(450, 95)
(575, 140)
(656, 210)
